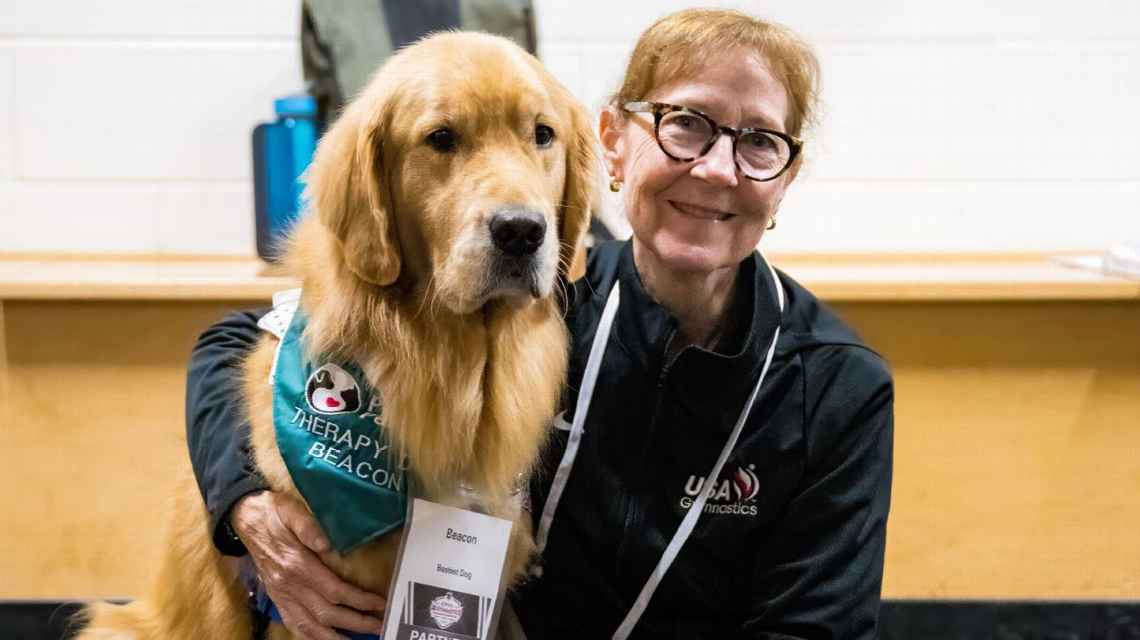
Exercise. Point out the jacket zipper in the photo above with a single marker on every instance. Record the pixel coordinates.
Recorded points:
(668, 362)
(633, 513)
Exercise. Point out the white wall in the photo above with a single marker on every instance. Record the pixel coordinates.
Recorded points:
(976, 125)
(125, 124)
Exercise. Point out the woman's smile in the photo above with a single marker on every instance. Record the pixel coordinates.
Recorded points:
(703, 213)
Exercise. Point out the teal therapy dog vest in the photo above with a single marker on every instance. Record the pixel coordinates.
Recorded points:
(327, 422)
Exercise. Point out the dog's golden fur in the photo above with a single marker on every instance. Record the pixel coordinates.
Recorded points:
(394, 267)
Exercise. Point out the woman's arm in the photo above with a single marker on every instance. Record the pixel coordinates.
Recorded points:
(821, 568)
(216, 425)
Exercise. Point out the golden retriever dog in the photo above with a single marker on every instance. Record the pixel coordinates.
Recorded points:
(446, 202)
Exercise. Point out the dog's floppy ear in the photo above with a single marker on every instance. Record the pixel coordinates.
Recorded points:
(579, 195)
(349, 190)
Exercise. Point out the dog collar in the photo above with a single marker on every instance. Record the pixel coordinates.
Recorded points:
(327, 421)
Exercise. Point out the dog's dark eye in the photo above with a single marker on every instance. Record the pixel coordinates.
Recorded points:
(543, 135)
(442, 140)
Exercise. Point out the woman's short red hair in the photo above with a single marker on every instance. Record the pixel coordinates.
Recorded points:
(679, 44)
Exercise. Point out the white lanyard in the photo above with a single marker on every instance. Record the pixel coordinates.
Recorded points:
(562, 476)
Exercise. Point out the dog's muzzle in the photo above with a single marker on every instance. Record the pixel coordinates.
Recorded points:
(517, 232)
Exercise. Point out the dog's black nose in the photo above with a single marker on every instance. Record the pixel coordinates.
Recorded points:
(517, 231)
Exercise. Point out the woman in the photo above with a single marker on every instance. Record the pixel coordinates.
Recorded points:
(729, 459)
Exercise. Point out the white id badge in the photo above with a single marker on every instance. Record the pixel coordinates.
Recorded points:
(449, 576)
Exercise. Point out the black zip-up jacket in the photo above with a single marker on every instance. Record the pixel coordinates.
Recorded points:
(791, 543)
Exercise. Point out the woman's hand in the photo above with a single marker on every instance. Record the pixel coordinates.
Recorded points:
(284, 539)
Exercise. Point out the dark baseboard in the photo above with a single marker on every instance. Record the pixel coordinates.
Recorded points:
(901, 620)
(1009, 620)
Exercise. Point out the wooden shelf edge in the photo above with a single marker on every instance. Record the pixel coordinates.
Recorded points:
(837, 278)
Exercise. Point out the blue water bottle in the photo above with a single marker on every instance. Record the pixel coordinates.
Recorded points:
(282, 151)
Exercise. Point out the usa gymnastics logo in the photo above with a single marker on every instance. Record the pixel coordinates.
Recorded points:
(732, 495)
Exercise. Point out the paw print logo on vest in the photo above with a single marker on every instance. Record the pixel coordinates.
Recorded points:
(331, 389)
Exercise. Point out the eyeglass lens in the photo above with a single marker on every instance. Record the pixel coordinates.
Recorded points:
(685, 136)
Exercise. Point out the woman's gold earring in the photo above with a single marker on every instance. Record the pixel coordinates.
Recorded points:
(772, 223)
(615, 185)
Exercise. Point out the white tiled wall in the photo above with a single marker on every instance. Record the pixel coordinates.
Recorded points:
(968, 126)
(144, 111)
(151, 20)
(125, 125)
(7, 101)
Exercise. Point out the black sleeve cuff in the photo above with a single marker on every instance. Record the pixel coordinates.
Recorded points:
(224, 538)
